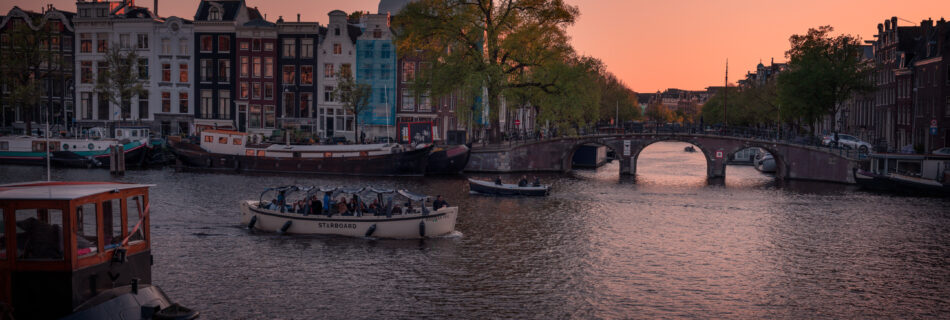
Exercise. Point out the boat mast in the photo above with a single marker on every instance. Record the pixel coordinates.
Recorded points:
(47, 151)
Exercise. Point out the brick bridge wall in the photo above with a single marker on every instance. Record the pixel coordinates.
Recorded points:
(792, 161)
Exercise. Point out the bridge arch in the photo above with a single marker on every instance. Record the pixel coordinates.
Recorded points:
(781, 165)
(705, 150)
(567, 160)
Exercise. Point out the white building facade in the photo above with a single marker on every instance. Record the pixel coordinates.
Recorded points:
(171, 70)
(101, 26)
(337, 53)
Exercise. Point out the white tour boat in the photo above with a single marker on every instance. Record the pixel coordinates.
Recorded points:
(382, 221)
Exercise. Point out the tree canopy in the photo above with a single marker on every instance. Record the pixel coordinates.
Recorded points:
(122, 79)
(823, 72)
(354, 96)
(487, 47)
(27, 64)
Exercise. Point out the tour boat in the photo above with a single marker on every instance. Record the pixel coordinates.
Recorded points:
(74, 152)
(79, 250)
(225, 150)
(488, 187)
(912, 174)
(381, 222)
(448, 160)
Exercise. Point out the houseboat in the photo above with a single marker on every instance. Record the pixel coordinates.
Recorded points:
(505, 189)
(448, 160)
(913, 174)
(343, 211)
(78, 250)
(89, 151)
(225, 150)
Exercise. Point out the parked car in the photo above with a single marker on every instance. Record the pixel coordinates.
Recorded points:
(846, 141)
(945, 151)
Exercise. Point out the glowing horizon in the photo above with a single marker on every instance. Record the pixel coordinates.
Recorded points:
(676, 44)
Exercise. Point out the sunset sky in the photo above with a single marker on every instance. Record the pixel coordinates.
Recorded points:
(653, 45)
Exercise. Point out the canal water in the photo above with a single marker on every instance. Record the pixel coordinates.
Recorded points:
(667, 243)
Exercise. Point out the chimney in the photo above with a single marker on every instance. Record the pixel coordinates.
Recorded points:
(298, 17)
(155, 8)
(880, 28)
(894, 23)
(887, 25)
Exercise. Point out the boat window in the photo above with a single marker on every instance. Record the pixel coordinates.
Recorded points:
(237, 141)
(86, 232)
(249, 152)
(135, 212)
(260, 153)
(3, 238)
(223, 140)
(39, 234)
(119, 133)
(4, 145)
(208, 138)
(135, 133)
(111, 223)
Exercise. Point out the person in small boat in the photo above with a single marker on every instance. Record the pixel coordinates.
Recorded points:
(315, 206)
(374, 207)
(281, 200)
(409, 209)
(439, 203)
(537, 182)
(397, 209)
(523, 182)
(326, 202)
(273, 205)
(498, 180)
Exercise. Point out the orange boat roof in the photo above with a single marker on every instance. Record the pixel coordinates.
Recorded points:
(60, 190)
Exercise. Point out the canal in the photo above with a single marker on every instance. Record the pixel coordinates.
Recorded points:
(666, 243)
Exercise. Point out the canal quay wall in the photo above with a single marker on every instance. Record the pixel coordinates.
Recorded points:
(793, 161)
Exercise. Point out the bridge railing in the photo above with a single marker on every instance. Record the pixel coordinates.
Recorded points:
(764, 134)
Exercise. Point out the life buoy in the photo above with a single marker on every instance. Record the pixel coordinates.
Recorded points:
(422, 229)
(369, 232)
(250, 225)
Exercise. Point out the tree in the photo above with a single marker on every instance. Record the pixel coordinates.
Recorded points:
(823, 72)
(354, 96)
(492, 44)
(575, 103)
(27, 64)
(659, 113)
(121, 80)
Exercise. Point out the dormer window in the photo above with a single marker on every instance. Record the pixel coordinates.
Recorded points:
(336, 31)
(214, 14)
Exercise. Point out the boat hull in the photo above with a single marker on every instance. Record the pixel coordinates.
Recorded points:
(407, 163)
(134, 154)
(486, 187)
(872, 181)
(765, 165)
(437, 223)
(448, 161)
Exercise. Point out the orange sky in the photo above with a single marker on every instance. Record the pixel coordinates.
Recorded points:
(654, 45)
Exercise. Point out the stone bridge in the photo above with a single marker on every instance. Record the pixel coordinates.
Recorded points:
(792, 161)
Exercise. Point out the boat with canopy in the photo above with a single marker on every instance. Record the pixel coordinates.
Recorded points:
(343, 211)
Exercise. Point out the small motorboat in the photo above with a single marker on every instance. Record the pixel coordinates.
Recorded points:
(384, 218)
(488, 187)
(689, 149)
(764, 162)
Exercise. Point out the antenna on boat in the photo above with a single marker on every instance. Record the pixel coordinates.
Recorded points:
(47, 150)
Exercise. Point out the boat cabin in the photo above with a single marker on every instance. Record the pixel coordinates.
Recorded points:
(235, 143)
(132, 133)
(61, 243)
(931, 167)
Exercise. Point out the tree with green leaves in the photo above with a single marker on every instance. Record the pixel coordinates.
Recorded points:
(354, 96)
(576, 101)
(490, 46)
(27, 64)
(823, 72)
(659, 113)
(121, 80)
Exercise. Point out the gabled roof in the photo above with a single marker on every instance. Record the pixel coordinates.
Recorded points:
(229, 9)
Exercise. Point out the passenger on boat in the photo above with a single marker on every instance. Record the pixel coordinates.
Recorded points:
(344, 208)
(498, 180)
(374, 207)
(523, 182)
(281, 200)
(316, 206)
(326, 202)
(273, 205)
(397, 209)
(537, 182)
(439, 203)
(409, 207)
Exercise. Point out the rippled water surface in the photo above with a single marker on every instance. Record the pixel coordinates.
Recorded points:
(667, 243)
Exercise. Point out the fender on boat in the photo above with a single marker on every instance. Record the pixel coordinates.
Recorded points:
(422, 229)
(369, 232)
(286, 226)
(250, 225)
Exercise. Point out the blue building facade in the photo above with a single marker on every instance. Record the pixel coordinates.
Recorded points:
(376, 66)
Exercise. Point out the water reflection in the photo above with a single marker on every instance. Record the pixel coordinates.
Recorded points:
(664, 244)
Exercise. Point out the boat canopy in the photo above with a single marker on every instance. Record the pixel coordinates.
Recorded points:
(413, 196)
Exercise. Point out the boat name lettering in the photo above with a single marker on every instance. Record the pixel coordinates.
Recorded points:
(337, 225)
